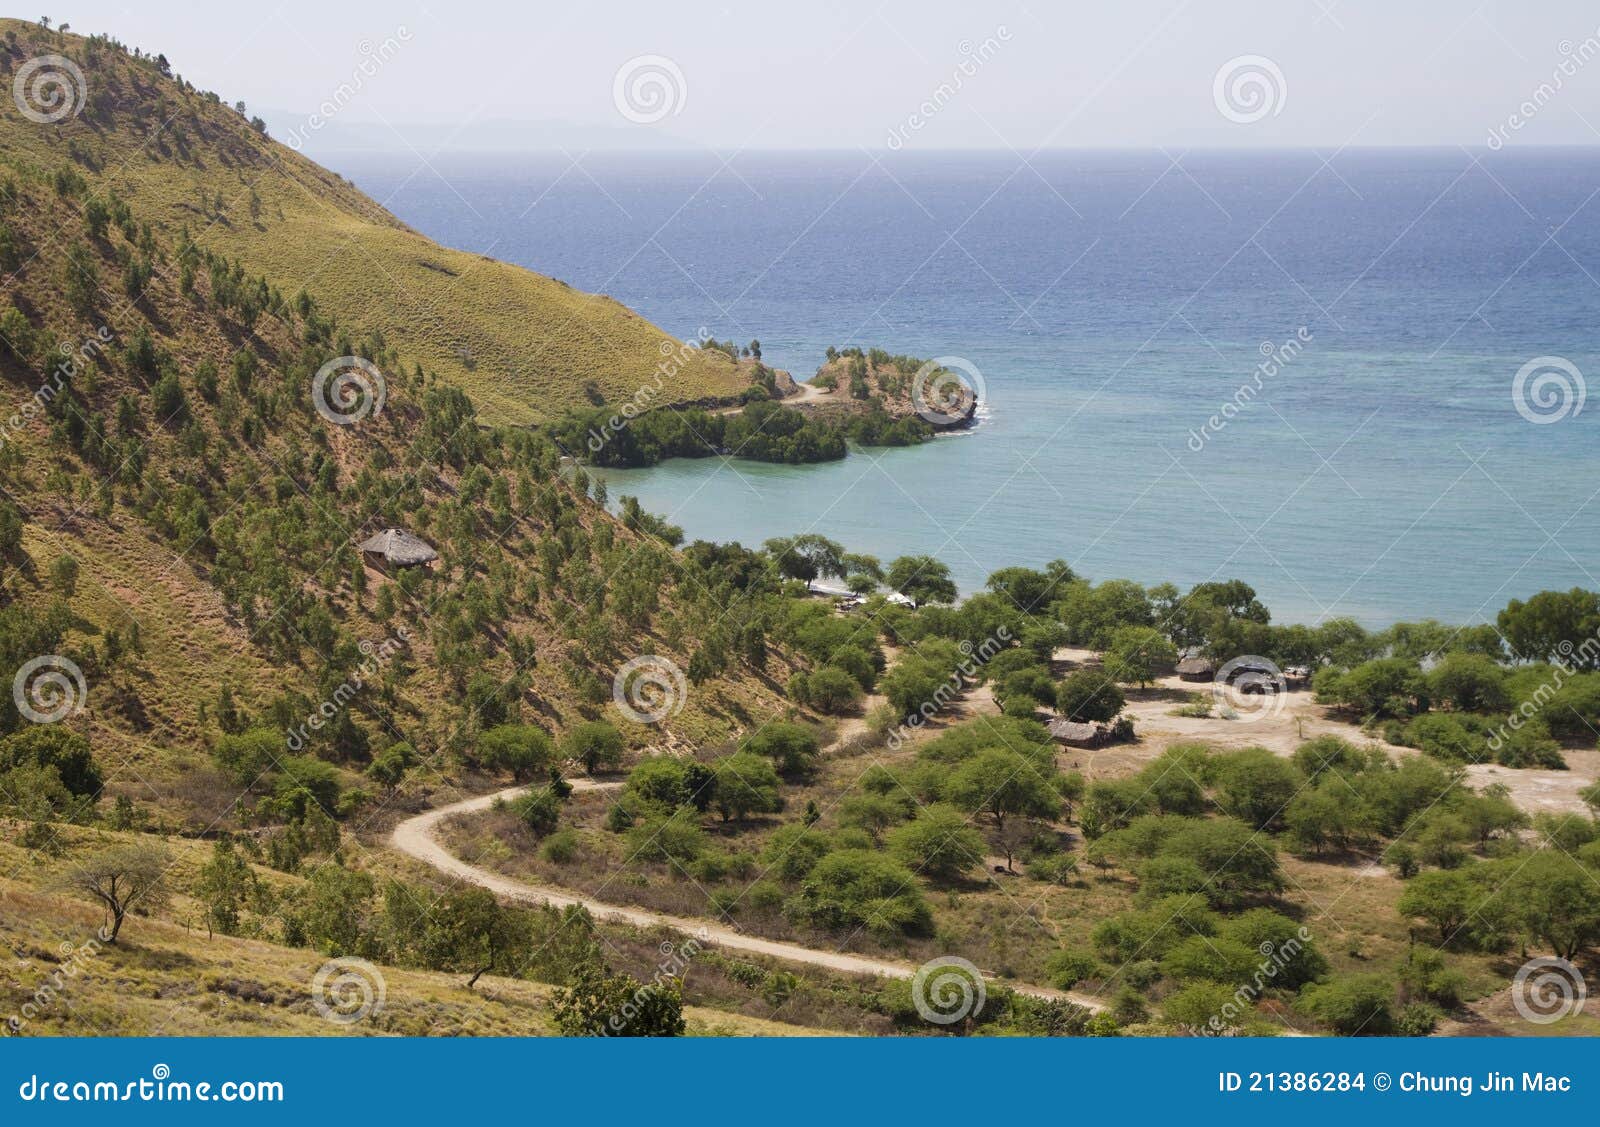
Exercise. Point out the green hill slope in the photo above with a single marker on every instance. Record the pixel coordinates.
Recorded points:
(523, 346)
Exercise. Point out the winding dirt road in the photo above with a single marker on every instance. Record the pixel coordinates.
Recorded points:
(418, 837)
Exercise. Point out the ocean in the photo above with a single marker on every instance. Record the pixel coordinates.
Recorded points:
(1380, 467)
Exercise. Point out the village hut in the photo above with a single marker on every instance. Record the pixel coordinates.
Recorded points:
(1073, 734)
(1197, 669)
(397, 548)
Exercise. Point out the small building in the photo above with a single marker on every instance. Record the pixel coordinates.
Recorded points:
(900, 600)
(1073, 734)
(395, 547)
(1197, 669)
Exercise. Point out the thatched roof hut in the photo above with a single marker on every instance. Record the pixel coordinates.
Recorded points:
(395, 547)
(1074, 734)
(1197, 669)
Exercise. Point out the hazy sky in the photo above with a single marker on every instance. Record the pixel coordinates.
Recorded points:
(911, 73)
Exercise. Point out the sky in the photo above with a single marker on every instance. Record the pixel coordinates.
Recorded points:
(903, 74)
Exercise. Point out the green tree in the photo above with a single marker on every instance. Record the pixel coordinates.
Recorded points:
(601, 1004)
(55, 747)
(1206, 1009)
(1139, 654)
(921, 578)
(746, 784)
(1469, 682)
(1088, 695)
(223, 885)
(1552, 626)
(1352, 1005)
(939, 844)
(855, 888)
(793, 748)
(595, 744)
(522, 749)
(1257, 787)
(1003, 784)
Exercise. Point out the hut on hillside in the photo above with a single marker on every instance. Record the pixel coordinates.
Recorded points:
(1197, 669)
(397, 548)
(1073, 734)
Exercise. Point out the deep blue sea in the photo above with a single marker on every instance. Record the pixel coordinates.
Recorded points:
(1113, 301)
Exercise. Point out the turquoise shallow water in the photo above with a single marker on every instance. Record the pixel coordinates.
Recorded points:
(1113, 304)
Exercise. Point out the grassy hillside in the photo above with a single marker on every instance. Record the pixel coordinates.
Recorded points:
(180, 522)
(523, 346)
(169, 975)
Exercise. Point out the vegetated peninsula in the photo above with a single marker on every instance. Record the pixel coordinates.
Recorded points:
(302, 672)
(868, 398)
